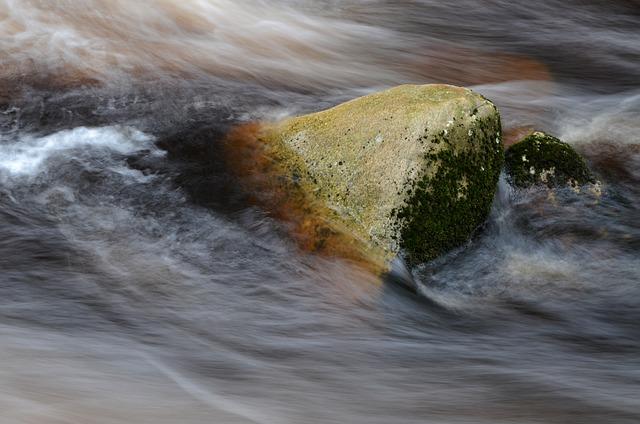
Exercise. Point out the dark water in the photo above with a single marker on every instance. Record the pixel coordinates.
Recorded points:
(138, 284)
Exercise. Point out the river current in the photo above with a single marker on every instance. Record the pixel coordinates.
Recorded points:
(138, 284)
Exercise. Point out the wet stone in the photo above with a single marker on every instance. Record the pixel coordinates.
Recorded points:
(418, 184)
(541, 159)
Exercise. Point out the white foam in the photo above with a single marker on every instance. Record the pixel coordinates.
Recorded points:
(28, 156)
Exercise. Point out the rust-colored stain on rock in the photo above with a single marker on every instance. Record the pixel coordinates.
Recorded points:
(305, 219)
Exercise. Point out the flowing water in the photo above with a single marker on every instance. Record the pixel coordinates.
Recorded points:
(139, 285)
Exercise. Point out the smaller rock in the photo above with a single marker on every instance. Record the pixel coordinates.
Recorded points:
(541, 159)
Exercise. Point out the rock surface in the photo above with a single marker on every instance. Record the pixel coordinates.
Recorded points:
(411, 169)
(541, 159)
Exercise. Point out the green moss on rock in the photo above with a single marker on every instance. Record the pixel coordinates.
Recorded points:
(451, 204)
(411, 169)
(541, 159)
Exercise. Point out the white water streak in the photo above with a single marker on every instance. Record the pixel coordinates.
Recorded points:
(105, 40)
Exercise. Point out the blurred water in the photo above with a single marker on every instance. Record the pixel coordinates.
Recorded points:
(138, 284)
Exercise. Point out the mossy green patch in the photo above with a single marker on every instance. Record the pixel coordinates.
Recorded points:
(541, 159)
(445, 208)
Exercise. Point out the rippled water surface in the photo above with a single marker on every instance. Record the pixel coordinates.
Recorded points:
(138, 284)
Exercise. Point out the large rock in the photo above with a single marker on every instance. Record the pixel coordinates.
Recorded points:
(541, 159)
(411, 169)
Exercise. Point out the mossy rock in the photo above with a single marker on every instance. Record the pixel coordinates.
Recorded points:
(413, 169)
(541, 159)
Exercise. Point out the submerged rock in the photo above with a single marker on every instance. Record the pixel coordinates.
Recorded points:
(410, 169)
(541, 159)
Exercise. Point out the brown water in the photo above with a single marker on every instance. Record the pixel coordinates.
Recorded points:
(139, 285)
